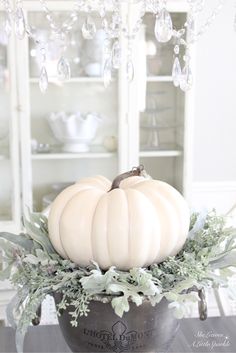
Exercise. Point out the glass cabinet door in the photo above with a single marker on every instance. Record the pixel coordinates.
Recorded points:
(74, 124)
(9, 162)
(162, 123)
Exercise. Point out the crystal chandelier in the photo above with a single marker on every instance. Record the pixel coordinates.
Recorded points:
(116, 24)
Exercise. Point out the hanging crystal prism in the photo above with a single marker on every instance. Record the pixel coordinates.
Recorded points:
(7, 26)
(102, 11)
(191, 24)
(19, 22)
(107, 72)
(186, 81)
(63, 69)
(176, 49)
(176, 72)
(130, 70)
(116, 55)
(89, 28)
(43, 80)
(163, 26)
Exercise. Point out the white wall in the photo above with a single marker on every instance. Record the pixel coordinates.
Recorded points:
(214, 170)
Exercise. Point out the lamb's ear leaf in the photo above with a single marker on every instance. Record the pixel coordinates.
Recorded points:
(229, 260)
(18, 239)
(39, 236)
(120, 305)
(39, 220)
(5, 274)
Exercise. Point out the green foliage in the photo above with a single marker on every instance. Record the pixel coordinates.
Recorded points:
(36, 270)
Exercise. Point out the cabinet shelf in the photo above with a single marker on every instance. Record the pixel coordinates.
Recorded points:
(61, 156)
(160, 153)
(87, 79)
(81, 79)
(159, 79)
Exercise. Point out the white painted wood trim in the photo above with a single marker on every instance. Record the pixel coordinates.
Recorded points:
(13, 224)
(189, 131)
(25, 121)
(57, 156)
(123, 159)
(214, 186)
(218, 195)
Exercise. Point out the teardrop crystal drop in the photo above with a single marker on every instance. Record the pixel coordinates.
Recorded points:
(116, 55)
(63, 69)
(89, 28)
(176, 49)
(43, 80)
(191, 24)
(176, 72)
(163, 26)
(107, 72)
(102, 11)
(186, 81)
(19, 23)
(130, 71)
(8, 26)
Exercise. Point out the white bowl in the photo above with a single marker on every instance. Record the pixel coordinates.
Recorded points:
(74, 130)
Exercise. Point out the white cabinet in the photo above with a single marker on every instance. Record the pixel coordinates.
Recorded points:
(10, 205)
(149, 119)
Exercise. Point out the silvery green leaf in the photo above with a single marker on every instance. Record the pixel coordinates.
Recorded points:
(185, 284)
(98, 282)
(178, 310)
(136, 298)
(41, 255)
(19, 340)
(6, 272)
(231, 291)
(116, 288)
(120, 305)
(225, 261)
(171, 296)
(189, 297)
(38, 236)
(14, 305)
(193, 219)
(38, 218)
(18, 239)
(31, 259)
(226, 272)
(230, 243)
(197, 223)
(8, 248)
(155, 299)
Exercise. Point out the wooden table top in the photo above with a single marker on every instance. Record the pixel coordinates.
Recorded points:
(212, 335)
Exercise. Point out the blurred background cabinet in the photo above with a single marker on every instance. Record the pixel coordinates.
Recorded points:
(80, 128)
(10, 204)
(146, 121)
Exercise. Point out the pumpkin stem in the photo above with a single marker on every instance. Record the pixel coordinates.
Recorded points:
(136, 171)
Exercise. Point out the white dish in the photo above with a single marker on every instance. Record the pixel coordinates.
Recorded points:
(74, 130)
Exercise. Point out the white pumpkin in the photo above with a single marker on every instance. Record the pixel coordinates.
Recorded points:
(137, 223)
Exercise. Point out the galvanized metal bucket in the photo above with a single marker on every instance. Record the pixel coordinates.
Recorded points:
(142, 329)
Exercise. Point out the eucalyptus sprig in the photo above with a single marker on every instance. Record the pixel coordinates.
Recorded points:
(36, 270)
